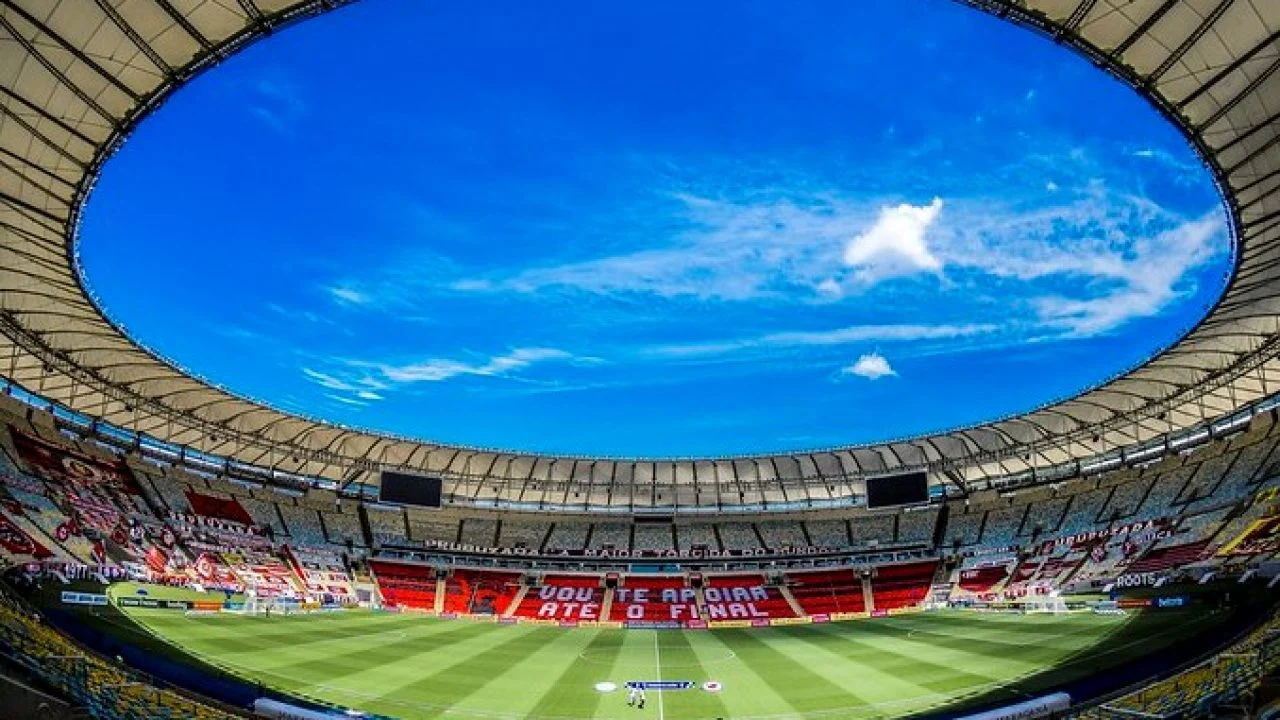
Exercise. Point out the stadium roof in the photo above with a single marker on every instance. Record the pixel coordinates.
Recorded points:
(76, 76)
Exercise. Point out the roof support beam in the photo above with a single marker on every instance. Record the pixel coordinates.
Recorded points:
(1226, 71)
(73, 50)
(1142, 29)
(1245, 92)
(143, 46)
(1191, 40)
(53, 70)
(185, 24)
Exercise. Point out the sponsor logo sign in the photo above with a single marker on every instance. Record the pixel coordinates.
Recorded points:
(729, 623)
(712, 686)
(653, 625)
(1136, 580)
(77, 598)
(660, 684)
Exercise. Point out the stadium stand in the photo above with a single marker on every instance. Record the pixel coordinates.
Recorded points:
(729, 597)
(653, 599)
(826, 592)
(405, 585)
(901, 586)
(779, 536)
(568, 537)
(481, 532)
(1224, 678)
(739, 536)
(964, 528)
(387, 525)
(1002, 525)
(653, 538)
(522, 534)
(570, 598)
(875, 528)
(610, 536)
(429, 526)
(343, 527)
(917, 527)
(104, 689)
(697, 537)
(828, 533)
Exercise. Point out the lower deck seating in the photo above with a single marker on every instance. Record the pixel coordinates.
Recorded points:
(981, 580)
(1160, 559)
(653, 599)
(827, 591)
(899, 586)
(405, 585)
(563, 597)
(728, 597)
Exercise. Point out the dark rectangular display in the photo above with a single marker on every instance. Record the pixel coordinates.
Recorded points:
(405, 489)
(891, 490)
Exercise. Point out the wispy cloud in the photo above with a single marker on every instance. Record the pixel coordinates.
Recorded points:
(362, 381)
(838, 336)
(277, 102)
(349, 296)
(872, 366)
(438, 369)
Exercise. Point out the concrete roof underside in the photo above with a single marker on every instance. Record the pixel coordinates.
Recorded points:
(77, 75)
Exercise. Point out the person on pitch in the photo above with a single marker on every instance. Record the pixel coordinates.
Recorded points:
(632, 693)
(640, 704)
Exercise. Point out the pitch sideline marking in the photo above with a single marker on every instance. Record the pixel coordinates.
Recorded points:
(657, 661)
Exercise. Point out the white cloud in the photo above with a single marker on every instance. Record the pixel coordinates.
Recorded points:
(872, 366)
(895, 245)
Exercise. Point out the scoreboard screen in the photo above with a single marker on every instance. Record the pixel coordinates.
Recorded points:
(406, 489)
(892, 490)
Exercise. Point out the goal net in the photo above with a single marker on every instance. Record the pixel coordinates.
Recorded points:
(255, 604)
(1047, 604)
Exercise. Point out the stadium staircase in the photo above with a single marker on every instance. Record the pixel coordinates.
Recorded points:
(700, 599)
(606, 606)
(785, 592)
(510, 610)
(363, 516)
(440, 591)
(867, 596)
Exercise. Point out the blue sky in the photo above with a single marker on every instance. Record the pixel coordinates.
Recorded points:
(655, 229)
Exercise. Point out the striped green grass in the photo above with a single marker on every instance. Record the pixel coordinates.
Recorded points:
(412, 666)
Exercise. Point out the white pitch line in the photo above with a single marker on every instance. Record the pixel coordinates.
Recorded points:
(657, 661)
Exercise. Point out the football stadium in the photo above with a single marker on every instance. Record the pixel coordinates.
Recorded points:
(859, 476)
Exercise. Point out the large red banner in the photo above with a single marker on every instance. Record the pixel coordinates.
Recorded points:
(17, 542)
(70, 467)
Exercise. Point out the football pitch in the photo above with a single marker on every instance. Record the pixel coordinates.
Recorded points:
(412, 666)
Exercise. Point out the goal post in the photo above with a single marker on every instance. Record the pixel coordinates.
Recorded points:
(1050, 604)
